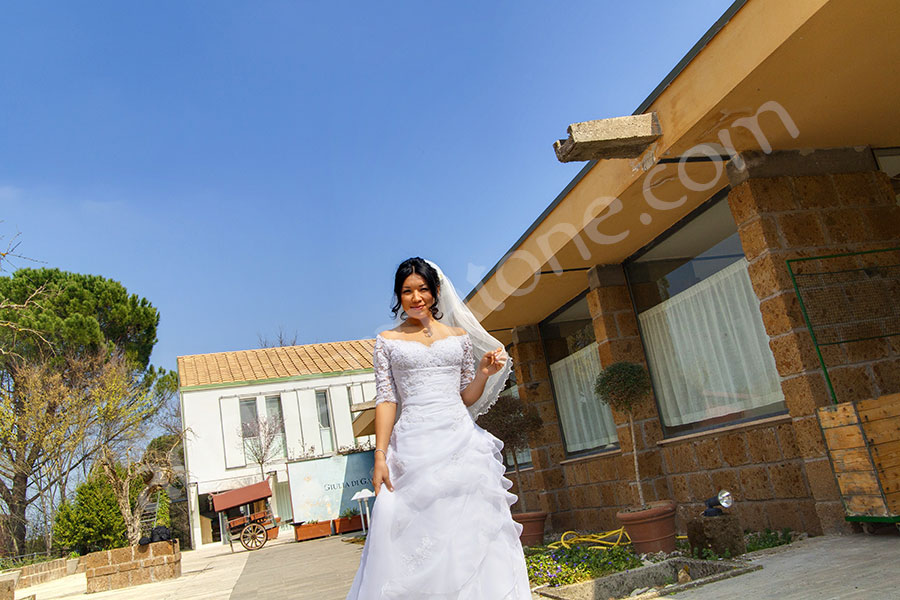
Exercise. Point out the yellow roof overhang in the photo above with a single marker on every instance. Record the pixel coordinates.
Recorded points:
(831, 64)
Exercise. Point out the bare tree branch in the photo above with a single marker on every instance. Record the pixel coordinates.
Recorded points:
(263, 441)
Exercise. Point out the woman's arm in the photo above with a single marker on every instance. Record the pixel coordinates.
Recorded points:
(473, 380)
(385, 414)
(473, 391)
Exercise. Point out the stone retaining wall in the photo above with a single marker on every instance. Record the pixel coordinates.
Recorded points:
(132, 565)
(41, 572)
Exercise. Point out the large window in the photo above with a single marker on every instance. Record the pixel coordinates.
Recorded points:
(249, 426)
(326, 433)
(276, 425)
(701, 325)
(574, 362)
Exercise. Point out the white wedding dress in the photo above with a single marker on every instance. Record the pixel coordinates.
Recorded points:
(445, 532)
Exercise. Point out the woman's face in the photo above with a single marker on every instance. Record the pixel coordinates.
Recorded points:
(415, 297)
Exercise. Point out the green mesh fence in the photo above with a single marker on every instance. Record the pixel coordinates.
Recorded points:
(848, 298)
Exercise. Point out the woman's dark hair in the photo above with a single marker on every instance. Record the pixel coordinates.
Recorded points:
(419, 267)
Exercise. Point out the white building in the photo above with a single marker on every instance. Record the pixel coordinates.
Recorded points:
(314, 390)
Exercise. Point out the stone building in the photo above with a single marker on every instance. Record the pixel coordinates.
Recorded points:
(777, 137)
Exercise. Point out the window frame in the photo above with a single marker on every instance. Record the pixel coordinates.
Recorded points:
(250, 401)
(668, 431)
(277, 396)
(330, 413)
(562, 433)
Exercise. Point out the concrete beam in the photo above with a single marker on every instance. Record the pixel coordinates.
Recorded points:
(619, 137)
(755, 164)
(600, 276)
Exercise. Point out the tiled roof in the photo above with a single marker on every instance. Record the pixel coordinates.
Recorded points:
(273, 363)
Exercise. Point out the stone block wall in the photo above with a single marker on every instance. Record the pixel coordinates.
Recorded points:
(840, 203)
(785, 205)
(132, 565)
(543, 484)
(760, 465)
(41, 572)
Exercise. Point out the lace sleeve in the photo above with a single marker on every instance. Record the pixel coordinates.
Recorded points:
(384, 380)
(467, 373)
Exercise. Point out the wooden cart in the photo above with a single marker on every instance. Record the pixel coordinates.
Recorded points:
(248, 515)
(863, 441)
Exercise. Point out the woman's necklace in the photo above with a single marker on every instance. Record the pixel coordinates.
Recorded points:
(426, 331)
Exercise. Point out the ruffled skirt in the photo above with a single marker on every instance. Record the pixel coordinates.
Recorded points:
(445, 532)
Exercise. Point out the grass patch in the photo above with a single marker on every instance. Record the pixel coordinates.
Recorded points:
(767, 539)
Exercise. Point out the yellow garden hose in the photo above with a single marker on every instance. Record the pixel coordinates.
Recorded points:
(608, 539)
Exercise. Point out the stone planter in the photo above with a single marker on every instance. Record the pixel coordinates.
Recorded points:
(309, 531)
(651, 529)
(132, 565)
(532, 527)
(347, 524)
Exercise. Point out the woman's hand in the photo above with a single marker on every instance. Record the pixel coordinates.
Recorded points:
(492, 362)
(380, 474)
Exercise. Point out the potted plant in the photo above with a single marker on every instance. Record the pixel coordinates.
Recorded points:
(651, 527)
(307, 530)
(512, 422)
(348, 521)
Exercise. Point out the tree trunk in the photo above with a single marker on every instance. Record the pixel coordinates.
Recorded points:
(121, 488)
(17, 510)
(519, 482)
(637, 473)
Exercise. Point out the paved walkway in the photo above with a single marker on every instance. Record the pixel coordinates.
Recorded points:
(206, 574)
(314, 570)
(853, 567)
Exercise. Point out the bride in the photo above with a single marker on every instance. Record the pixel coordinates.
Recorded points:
(441, 527)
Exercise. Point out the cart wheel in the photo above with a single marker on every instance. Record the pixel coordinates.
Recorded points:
(253, 536)
(868, 528)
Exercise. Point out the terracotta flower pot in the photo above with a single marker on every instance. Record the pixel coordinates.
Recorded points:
(347, 524)
(651, 529)
(308, 531)
(532, 527)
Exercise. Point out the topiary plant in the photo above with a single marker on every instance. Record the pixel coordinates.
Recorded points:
(512, 422)
(624, 385)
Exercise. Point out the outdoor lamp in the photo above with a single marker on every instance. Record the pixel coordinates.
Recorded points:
(714, 505)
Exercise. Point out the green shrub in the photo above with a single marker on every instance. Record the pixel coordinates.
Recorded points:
(92, 521)
(350, 512)
(162, 509)
(562, 566)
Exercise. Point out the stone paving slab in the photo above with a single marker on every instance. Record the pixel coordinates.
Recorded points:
(317, 569)
(851, 567)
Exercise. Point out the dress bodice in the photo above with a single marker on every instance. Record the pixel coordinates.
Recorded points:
(415, 374)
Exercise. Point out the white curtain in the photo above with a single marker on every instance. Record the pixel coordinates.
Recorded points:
(587, 422)
(708, 350)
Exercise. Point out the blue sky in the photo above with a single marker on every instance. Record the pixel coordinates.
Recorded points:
(255, 166)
